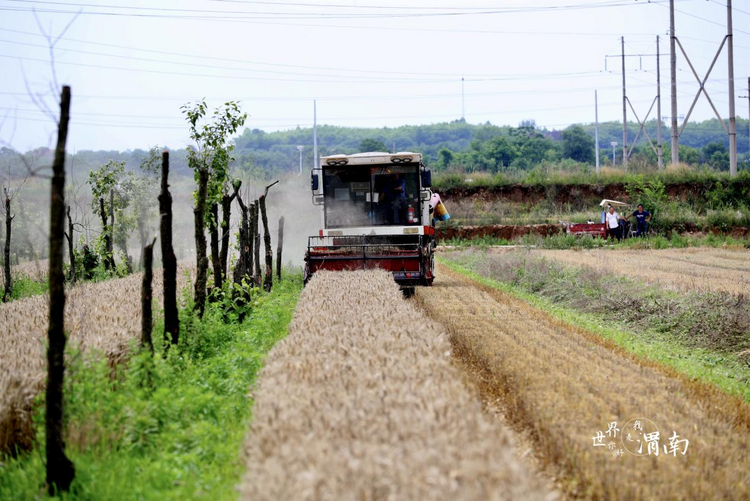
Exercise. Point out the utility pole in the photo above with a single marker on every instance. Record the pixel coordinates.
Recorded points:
(731, 129)
(300, 148)
(659, 151)
(463, 102)
(596, 128)
(614, 159)
(624, 112)
(673, 74)
(315, 136)
(732, 115)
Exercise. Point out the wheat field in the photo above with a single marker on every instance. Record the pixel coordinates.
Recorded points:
(33, 270)
(562, 385)
(104, 317)
(698, 268)
(361, 402)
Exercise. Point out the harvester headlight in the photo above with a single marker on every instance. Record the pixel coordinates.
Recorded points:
(396, 160)
(342, 162)
(406, 159)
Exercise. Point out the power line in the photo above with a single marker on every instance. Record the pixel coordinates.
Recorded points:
(336, 78)
(701, 18)
(362, 97)
(264, 16)
(446, 77)
(350, 118)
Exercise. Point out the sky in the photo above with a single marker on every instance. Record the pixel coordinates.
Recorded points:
(368, 63)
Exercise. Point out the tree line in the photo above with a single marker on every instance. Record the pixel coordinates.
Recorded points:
(261, 154)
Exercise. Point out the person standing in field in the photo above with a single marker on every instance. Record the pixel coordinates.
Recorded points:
(642, 218)
(612, 222)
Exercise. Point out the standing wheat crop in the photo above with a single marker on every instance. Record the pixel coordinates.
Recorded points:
(361, 401)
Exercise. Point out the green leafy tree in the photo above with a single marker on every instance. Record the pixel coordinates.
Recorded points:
(107, 200)
(445, 157)
(372, 145)
(577, 144)
(688, 154)
(209, 159)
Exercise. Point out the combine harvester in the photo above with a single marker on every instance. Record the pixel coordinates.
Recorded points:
(376, 212)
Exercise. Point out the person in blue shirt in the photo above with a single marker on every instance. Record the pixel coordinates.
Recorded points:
(642, 218)
(395, 195)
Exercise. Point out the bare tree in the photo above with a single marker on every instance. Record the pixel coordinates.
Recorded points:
(60, 470)
(8, 289)
(226, 214)
(199, 214)
(171, 319)
(147, 297)
(71, 247)
(213, 229)
(279, 247)
(243, 267)
(268, 281)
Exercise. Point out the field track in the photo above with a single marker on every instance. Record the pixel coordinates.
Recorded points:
(361, 402)
(562, 385)
(699, 268)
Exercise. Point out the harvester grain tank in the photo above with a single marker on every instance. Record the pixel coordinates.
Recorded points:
(375, 213)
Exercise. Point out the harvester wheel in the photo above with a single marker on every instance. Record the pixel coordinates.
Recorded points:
(408, 291)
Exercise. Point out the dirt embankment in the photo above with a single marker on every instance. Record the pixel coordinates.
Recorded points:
(361, 402)
(584, 194)
(504, 231)
(565, 387)
(511, 232)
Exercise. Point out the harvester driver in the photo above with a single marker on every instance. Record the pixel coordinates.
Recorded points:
(395, 194)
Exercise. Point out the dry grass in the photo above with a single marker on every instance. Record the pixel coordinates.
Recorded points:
(361, 402)
(103, 317)
(696, 268)
(562, 385)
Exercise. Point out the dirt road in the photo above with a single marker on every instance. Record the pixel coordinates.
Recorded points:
(564, 387)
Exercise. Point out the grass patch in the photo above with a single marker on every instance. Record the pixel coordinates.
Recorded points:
(563, 242)
(26, 287)
(170, 427)
(726, 370)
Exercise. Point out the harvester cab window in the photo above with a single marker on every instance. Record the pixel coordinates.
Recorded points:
(371, 196)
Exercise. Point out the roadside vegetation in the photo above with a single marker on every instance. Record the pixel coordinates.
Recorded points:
(564, 242)
(167, 427)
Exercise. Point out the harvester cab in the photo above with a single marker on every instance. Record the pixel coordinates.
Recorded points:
(375, 213)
